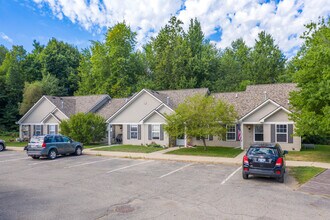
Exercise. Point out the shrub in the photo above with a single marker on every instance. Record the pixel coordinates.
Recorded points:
(86, 128)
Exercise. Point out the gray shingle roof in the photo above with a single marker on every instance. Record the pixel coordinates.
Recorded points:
(254, 95)
(111, 107)
(177, 96)
(75, 104)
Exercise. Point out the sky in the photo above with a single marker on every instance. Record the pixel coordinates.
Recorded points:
(80, 21)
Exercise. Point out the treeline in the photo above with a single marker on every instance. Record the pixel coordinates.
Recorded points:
(174, 59)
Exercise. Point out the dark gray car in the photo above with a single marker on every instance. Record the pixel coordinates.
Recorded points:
(52, 145)
(2, 145)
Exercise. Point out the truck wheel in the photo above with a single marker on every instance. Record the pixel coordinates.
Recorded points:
(245, 176)
(78, 151)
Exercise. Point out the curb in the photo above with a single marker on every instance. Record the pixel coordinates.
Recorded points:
(9, 148)
(207, 160)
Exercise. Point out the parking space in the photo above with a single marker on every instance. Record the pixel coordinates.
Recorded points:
(95, 187)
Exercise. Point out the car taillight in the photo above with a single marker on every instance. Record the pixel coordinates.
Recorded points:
(278, 172)
(246, 169)
(279, 161)
(245, 159)
(43, 145)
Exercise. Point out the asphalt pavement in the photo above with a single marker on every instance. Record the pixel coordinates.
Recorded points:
(97, 187)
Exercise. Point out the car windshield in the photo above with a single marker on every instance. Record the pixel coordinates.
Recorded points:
(37, 140)
(254, 151)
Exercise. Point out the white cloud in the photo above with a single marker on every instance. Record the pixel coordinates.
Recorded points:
(6, 38)
(236, 18)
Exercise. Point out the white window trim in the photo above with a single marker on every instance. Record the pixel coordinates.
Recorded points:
(286, 133)
(152, 131)
(137, 132)
(230, 132)
(35, 131)
(50, 131)
(254, 133)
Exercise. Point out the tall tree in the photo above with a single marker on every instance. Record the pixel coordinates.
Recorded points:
(234, 67)
(3, 51)
(32, 93)
(267, 60)
(32, 64)
(311, 103)
(61, 60)
(113, 65)
(13, 76)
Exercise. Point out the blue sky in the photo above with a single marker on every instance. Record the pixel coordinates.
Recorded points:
(78, 22)
(24, 22)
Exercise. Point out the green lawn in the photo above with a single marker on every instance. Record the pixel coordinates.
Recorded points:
(130, 148)
(211, 151)
(304, 174)
(320, 154)
(10, 141)
(94, 145)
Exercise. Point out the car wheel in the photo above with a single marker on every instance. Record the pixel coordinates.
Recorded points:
(2, 147)
(245, 176)
(78, 151)
(281, 179)
(52, 154)
(35, 157)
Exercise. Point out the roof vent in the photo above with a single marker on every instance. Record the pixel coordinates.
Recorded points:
(167, 100)
(236, 96)
(265, 93)
(62, 103)
(288, 101)
(125, 100)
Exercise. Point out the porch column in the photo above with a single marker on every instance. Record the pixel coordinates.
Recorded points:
(185, 136)
(109, 134)
(242, 136)
(20, 132)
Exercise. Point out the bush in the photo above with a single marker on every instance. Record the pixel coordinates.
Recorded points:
(86, 128)
(153, 144)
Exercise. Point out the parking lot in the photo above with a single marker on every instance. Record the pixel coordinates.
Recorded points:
(95, 187)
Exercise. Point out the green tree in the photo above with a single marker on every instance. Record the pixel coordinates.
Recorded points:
(311, 103)
(52, 86)
(85, 128)
(12, 76)
(267, 60)
(61, 60)
(3, 51)
(234, 67)
(32, 93)
(113, 65)
(200, 116)
(32, 64)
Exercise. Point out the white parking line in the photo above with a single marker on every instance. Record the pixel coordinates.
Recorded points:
(47, 161)
(5, 155)
(174, 171)
(25, 158)
(83, 164)
(232, 174)
(130, 166)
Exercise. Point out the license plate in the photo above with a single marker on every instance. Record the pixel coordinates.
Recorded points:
(262, 160)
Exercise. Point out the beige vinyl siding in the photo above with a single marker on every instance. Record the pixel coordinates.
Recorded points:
(261, 112)
(50, 120)
(155, 118)
(40, 112)
(165, 110)
(137, 110)
(60, 115)
(280, 116)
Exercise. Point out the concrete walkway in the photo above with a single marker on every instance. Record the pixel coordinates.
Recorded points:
(160, 155)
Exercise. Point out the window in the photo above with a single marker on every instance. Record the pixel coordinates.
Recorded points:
(37, 130)
(258, 133)
(155, 131)
(231, 132)
(66, 139)
(281, 133)
(58, 138)
(52, 129)
(134, 131)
